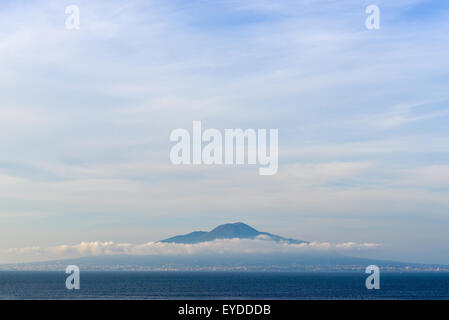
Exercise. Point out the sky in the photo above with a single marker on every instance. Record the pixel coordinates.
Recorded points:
(86, 115)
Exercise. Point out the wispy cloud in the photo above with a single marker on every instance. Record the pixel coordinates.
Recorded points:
(404, 114)
(86, 116)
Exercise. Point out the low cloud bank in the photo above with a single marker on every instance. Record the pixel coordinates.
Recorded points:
(258, 245)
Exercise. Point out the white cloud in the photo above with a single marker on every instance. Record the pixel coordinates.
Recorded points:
(223, 246)
(353, 245)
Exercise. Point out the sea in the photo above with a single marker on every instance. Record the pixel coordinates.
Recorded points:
(18, 285)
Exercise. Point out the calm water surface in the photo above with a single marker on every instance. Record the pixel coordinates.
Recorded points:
(222, 285)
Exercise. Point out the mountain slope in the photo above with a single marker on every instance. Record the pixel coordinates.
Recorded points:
(227, 231)
(186, 260)
(225, 262)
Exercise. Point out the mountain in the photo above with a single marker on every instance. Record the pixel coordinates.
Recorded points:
(225, 261)
(238, 230)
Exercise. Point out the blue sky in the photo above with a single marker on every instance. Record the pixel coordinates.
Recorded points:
(362, 116)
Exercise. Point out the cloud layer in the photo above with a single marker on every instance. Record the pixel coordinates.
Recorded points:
(362, 117)
(224, 246)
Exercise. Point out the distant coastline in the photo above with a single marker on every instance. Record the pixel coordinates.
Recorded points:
(294, 259)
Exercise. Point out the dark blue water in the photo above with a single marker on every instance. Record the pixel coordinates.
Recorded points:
(222, 285)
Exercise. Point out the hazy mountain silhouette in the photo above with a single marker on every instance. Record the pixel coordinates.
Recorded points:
(269, 261)
(238, 230)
